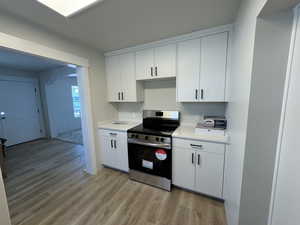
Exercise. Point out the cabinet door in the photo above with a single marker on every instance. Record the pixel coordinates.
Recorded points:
(188, 70)
(109, 153)
(113, 77)
(122, 151)
(144, 64)
(213, 67)
(209, 173)
(127, 65)
(183, 163)
(165, 61)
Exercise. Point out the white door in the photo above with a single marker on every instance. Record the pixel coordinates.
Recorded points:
(109, 145)
(209, 173)
(188, 70)
(165, 61)
(213, 67)
(144, 64)
(122, 151)
(20, 105)
(183, 163)
(127, 65)
(113, 76)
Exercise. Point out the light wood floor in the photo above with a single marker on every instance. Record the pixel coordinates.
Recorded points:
(47, 186)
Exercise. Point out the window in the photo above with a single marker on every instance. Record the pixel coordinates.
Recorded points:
(76, 101)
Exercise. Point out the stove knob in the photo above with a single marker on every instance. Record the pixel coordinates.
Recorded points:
(157, 139)
(146, 137)
(162, 139)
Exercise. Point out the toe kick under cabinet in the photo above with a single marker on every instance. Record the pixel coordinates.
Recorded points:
(199, 166)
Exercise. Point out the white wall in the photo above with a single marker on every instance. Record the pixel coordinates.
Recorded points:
(272, 42)
(57, 100)
(285, 204)
(237, 109)
(100, 108)
(161, 95)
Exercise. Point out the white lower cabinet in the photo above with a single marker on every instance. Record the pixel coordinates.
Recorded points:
(199, 166)
(114, 150)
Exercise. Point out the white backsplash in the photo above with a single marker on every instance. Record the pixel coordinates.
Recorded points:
(161, 95)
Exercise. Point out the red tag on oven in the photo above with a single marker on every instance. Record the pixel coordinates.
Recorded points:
(160, 154)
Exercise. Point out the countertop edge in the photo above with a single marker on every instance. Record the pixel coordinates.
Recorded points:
(107, 125)
(201, 139)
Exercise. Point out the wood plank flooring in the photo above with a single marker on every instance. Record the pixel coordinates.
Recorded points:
(46, 185)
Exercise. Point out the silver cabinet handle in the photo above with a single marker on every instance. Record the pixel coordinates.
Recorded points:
(115, 142)
(196, 146)
(192, 158)
(196, 94)
(199, 159)
(122, 95)
(119, 96)
(156, 71)
(111, 144)
(202, 93)
(151, 71)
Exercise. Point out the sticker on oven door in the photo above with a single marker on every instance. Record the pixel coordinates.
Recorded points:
(147, 164)
(161, 154)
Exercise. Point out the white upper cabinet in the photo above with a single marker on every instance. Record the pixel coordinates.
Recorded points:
(121, 82)
(113, 74)
(165, 61)
(144, 64)
(202, 66)
(128, 82)
(188, 68)
(159, 62)
(213, 67)
(198, 61)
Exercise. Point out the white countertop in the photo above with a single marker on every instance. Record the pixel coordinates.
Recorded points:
(188, 132)
(118, 127)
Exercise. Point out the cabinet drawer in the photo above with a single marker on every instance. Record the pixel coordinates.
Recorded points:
(199, 145)
(109, 132)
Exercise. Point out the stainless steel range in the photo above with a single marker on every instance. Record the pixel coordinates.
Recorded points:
(150, 148)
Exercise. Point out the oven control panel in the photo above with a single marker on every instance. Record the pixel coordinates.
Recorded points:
(151, 140)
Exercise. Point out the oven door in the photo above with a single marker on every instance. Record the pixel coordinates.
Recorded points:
(150, 159)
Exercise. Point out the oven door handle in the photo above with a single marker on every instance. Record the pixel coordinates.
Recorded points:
(167, 146)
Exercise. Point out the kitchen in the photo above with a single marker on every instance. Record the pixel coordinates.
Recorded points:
(184, 107)
(151, 79)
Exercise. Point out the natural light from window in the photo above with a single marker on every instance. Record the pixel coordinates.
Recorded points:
(76, 101)
(68, 8)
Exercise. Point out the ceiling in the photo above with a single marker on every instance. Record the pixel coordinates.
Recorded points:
(26, 62)
(116, 24)
(273, 6)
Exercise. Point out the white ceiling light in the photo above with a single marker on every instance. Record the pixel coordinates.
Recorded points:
(69, 8)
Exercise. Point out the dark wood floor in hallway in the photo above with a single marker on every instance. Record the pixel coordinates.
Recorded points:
(46, 185)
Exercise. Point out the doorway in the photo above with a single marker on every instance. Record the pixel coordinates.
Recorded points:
(61, 101)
